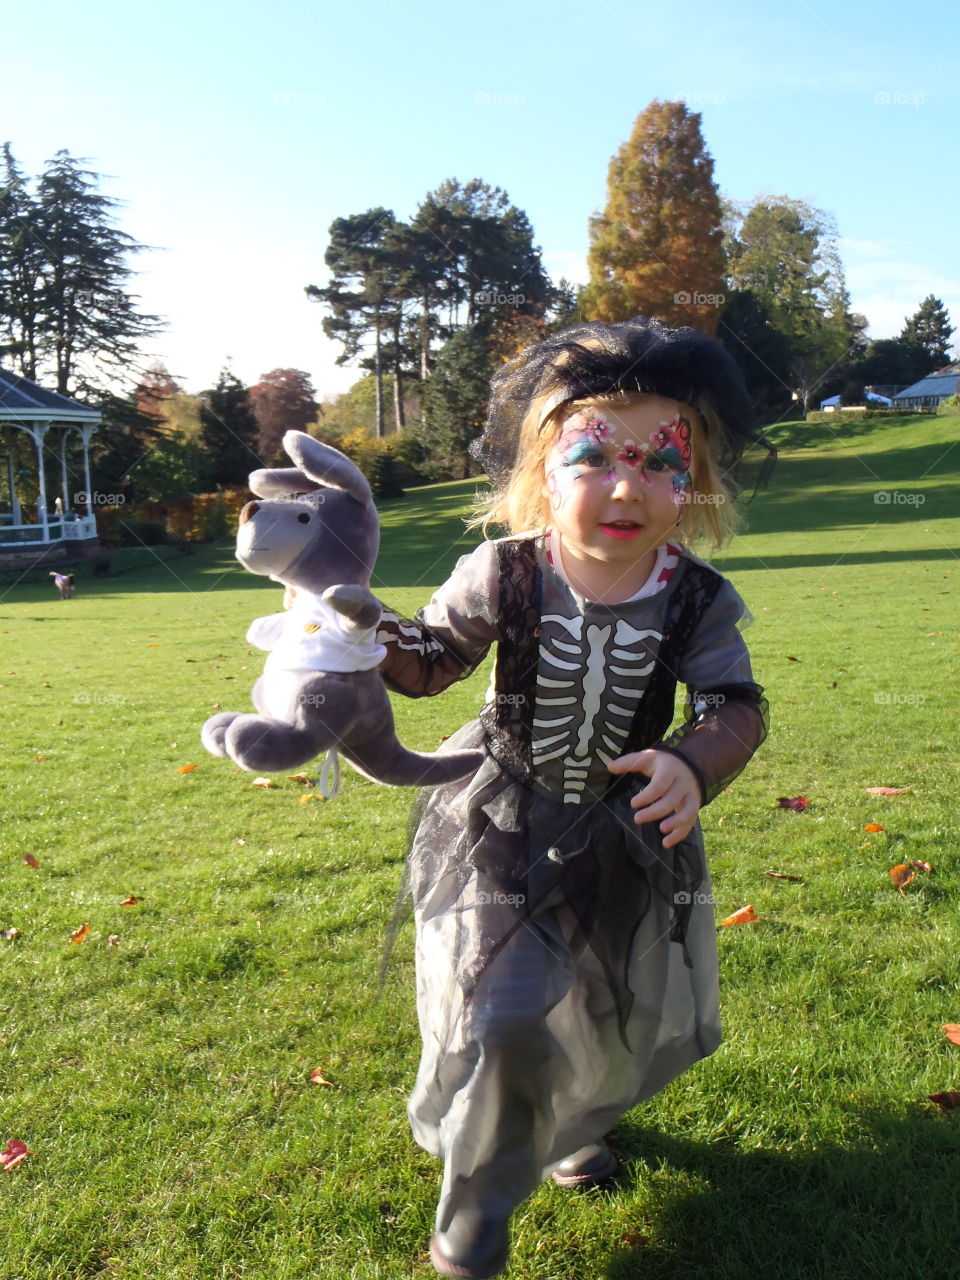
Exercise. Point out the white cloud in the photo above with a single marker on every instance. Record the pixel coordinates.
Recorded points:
(887, 284)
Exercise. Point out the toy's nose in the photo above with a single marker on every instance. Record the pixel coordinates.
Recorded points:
(249, 510)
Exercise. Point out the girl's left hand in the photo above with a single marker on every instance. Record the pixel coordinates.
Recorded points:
(673, 792)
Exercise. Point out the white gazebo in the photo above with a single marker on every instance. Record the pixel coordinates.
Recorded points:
(52, 530)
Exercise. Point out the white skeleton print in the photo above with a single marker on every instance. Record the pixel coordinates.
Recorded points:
(590, 680)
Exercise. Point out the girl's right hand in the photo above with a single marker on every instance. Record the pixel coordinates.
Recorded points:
(672, 793)
(289, 596)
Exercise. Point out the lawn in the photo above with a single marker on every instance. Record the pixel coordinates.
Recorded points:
(159, 1069)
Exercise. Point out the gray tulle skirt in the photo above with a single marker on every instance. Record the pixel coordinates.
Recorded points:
(566, 970)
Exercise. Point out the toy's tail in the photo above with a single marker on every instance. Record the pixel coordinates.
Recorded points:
(388, 762)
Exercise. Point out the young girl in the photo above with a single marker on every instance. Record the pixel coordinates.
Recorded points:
(566, 955)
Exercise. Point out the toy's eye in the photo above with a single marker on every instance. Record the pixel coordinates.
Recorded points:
(304, 518)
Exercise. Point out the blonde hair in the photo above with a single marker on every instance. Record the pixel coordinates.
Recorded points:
(709, 515)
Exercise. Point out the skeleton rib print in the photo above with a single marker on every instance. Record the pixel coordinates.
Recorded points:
(590, 678)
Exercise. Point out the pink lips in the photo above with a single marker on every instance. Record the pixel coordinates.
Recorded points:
(622, 531)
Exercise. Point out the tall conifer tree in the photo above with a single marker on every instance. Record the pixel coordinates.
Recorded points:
(657, 247)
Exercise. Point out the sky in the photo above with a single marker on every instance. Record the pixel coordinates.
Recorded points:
(233, 134)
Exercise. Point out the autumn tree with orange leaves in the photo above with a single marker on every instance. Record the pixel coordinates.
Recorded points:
(657, 248)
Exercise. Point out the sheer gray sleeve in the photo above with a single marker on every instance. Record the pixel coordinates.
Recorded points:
(726, 714)
(450, 637)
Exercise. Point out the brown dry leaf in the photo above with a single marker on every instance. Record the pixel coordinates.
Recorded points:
(302, 776)
(130, 902)
(305, 799)
(240, 840)
(261, 782)
(952, 1031)
(948, 1101)
(37, 759)
(799, 803)
(317, 1077)
(746, 915)
(887, 791)
(873, 826)
(8, 935)
(113, 940)
(902, 874)
(13, 1153)
(633, 1239)
(922, 866)
(31, 861)
(186, 768)
(80, 934)
(782, 875)
(791, 658)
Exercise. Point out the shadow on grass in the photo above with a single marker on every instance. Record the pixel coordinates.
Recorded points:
(885, 1207)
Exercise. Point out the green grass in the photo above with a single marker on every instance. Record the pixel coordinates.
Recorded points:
(162, 1082)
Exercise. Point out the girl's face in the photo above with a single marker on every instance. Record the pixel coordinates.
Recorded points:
(618, 476)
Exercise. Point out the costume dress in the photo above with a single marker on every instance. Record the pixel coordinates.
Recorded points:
(566, 962)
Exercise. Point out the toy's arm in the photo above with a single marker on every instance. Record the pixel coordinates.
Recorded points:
(448, 639)
(726, 714)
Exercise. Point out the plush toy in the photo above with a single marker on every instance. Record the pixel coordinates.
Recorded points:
(316, 530)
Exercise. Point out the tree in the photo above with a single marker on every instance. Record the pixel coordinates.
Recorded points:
(657, 247)
(229, 431)
(929, 331)
(761, 351)
(21, 264)
(455, 403)
(785, 254)
(155, 387)
(88, 318)
(360, 295)
(283, 400)
(892, 362)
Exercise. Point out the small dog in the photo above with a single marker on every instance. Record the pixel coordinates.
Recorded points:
(65, 584)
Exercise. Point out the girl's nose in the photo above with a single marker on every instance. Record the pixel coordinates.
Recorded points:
(629, 482)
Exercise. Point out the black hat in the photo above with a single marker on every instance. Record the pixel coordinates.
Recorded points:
(640, 355)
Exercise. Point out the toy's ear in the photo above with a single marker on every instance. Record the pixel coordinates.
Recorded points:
(326, 465)
(280, 482)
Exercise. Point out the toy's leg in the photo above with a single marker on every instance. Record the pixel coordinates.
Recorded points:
(213, 732)
(262, 745)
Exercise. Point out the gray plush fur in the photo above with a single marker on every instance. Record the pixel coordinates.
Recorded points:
(314, 527)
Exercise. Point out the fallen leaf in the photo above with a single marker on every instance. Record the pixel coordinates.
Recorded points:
(113, 940)
(791, 658)
(948, 1101)
(78, 935)
(261, 782)
(240, 840)
(37, 759)
(873, 826)
(799, 803)
(782, 875)
(904, 872)
(8, 935)
(633, 1239)
(302, 776)
(31, 861)
(130, 902)
(887, 791)
(317, 1077)
(13, 1153)
(952, 1031)
(305, 799)
(153, 646)
(186, 768)
(746, 915)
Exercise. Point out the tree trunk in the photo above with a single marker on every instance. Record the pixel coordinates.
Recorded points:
(378, 375)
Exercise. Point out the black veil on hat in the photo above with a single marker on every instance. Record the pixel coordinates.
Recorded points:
(639, 355)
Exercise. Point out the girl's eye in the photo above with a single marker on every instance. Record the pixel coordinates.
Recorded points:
(584, 455)
(654, 463)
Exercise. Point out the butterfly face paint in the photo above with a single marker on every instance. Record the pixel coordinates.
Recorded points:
(617, 480)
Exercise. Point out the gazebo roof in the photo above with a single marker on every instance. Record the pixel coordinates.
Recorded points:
(24, 401)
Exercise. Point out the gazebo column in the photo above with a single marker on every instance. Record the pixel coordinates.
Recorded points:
(63, 469)
(38, 432)
(87, 433)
